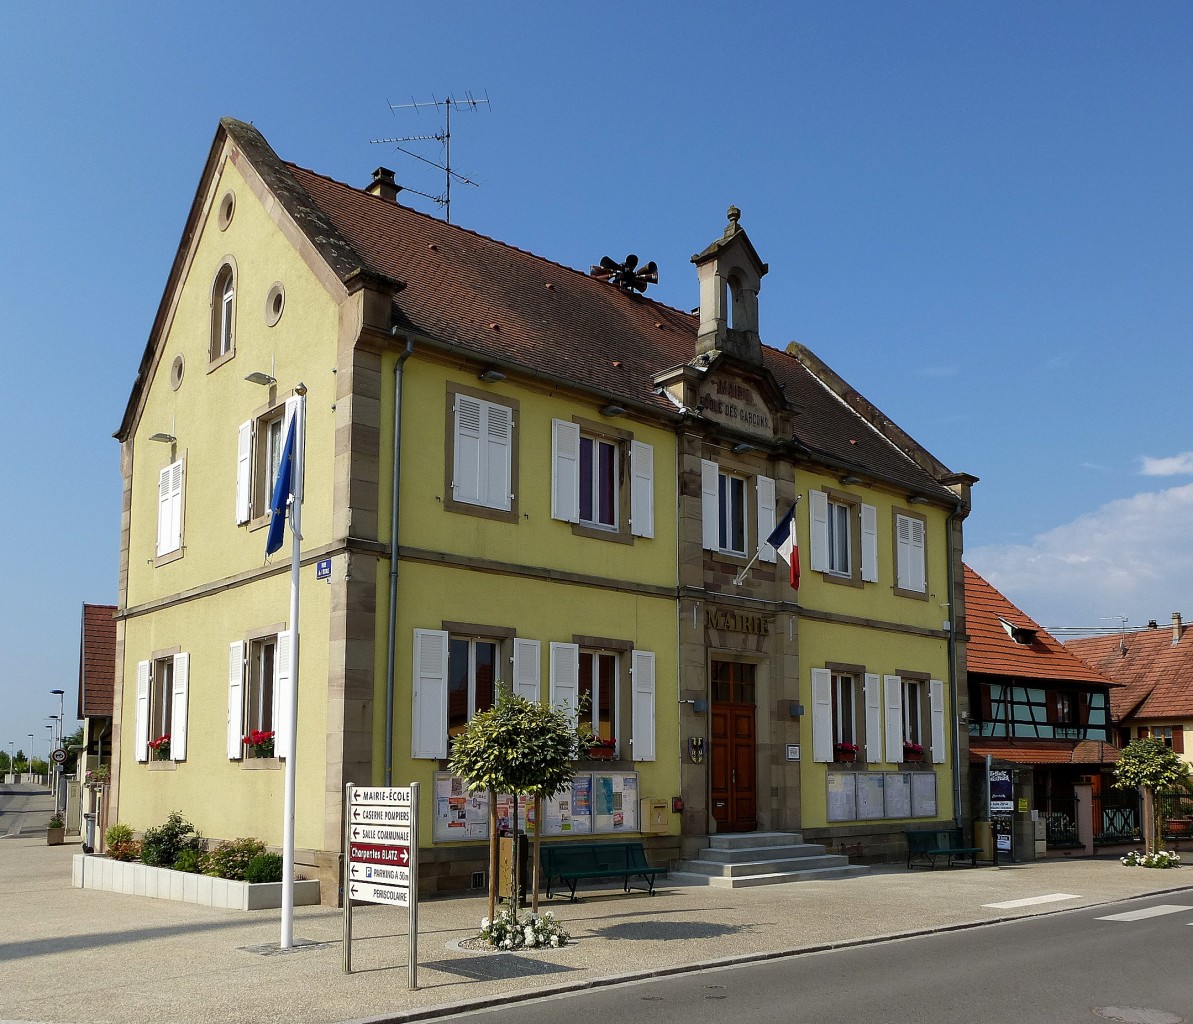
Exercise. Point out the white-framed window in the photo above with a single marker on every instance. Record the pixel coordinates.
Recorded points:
(169, 509)
(163, 686)
(259, 692)
(910, 569)
(588, 480)
(598, 686)
(455, 676)
(846, 710)
(223, 314)
(259, 445)
(726, 512)
(482, 453)
(844, 537)
(914, 715)
(568, 677)
(472, 672)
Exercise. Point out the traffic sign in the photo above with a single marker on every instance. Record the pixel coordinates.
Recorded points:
(58, 756)
(380, 815)
(369, 892)
(373, 853)
(391, 836)
(386, 797)
(378, 873)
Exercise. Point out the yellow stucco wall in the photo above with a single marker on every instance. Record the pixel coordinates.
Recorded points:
(223, 799)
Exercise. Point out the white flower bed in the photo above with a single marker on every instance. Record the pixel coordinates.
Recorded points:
(527, 932)
(136, 879)
(1160, 859)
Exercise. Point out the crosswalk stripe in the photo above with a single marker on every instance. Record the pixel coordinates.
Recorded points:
(1031, 901)
(1146, 912)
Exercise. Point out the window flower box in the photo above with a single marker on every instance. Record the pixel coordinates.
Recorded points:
(845, 752)
(913, 752)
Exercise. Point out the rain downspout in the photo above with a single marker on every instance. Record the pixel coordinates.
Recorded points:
(392, 633)
(954, 518)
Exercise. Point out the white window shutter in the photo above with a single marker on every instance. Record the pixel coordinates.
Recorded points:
(869, 544)
(873, 699)
(565, 471)
(918, 578)
(244, 473)
(235, 699)
(182, 677)
(467, 463)
(766, 517)
(642, 726)
(641, 489)
(499, 446)
(822, 714)
(169, 509)
(709, 502)
(893, 690)
(936, 704)
(527, 668)
(565, 677)
(428, 736)
(283, 695)
(141, 720)
(818, 529)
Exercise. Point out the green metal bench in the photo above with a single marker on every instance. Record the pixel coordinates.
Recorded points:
(926, 844)
(570, 863)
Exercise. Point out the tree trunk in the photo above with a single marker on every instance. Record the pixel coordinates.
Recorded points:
(538, 832)
(514, 900)
(1150, 829)
(492, 855)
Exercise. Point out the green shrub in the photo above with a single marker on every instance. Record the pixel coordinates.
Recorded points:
(161, 846)
(117, 834)
(191, 861)
(125, 849)
(265, 867)
(231, 859)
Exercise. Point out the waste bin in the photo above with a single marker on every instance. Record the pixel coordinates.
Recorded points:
(89, 832)
(505, 867)
(983, 837)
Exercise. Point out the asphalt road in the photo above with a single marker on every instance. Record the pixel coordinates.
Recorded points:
(1069, 968)
(24, 811)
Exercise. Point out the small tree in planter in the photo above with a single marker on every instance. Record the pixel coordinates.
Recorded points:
(520, 747)
(1150, 765)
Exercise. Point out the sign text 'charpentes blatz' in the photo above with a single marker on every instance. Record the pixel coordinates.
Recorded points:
(372, 853)
(381, 815)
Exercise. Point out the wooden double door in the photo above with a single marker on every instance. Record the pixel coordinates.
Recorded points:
(733, 767)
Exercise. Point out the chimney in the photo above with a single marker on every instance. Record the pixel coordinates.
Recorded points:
(384, 185)
(1176, 627)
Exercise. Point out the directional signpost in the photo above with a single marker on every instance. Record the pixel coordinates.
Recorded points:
(380, 828)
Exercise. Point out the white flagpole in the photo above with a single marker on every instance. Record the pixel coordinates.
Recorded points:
(296, 472)
(740, 578)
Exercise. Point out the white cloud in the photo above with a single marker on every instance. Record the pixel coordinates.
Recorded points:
(1174, 465)
(1130, 557)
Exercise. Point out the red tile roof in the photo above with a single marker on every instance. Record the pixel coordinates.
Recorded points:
(1043, 751)
(1157, 674)
(97, 661)
(992, 651)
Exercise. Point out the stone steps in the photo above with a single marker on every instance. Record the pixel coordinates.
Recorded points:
(734, 861)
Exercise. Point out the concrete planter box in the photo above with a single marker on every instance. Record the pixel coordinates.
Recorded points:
(134, 879)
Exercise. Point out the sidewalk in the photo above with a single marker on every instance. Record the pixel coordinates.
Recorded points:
(69, 955)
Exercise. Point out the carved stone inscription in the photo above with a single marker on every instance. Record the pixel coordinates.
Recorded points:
(736, 404)
(736, 622)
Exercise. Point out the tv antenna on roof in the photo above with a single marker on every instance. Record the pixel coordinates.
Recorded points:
(468, 102)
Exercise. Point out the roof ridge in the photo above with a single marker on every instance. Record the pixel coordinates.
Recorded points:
(488, 238)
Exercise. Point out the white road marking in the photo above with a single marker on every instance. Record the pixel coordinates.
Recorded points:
(1031, 901)
(1143, 915)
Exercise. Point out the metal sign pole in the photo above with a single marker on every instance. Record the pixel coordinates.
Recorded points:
(412, 925)
(344, 881)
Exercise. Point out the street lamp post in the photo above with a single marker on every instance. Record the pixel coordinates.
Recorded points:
(61, 734)
(29, 756)
(12, 765)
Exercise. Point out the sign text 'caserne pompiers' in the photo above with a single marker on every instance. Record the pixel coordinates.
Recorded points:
(380, 826)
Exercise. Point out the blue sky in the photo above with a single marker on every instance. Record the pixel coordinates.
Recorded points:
(978, 214)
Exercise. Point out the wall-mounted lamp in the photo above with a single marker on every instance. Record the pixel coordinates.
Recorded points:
(612, 410)
(162, 436)
(264, 379)
(795, 709)
(850, 480)
(491, 375)
(743, 447)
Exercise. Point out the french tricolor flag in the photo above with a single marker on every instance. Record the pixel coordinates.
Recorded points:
(783, 540)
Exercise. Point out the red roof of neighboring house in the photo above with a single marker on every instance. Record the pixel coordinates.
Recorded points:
(97, 661)
(1157, 672)
(1043, 751)
(993, 651)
